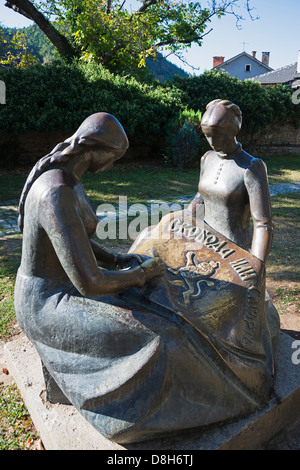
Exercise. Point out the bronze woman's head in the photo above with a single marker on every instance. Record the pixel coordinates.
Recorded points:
(100, 132)
(224, 115)
(220, 124)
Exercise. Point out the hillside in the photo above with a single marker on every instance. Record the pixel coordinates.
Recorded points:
(38, 44)
(163, 69)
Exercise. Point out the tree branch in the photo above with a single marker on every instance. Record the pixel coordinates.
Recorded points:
(146, 5)
(183, 41)
(27, 9)
(182, 60)
(108, 7)
(121, 6)
(17, 10)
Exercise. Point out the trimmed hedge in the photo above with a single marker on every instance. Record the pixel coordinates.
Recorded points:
(58, 97)
(260, 105)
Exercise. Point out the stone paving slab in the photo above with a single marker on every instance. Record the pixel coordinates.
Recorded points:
(283, 188)
(8, 220)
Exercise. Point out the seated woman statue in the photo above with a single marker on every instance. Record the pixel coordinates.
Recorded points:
(233, 188)
(171, 336)
(215, 277)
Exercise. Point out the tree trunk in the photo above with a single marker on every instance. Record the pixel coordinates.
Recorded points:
(108, 7)
(26, 8)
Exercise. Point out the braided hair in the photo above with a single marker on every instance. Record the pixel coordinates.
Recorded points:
(99, 129)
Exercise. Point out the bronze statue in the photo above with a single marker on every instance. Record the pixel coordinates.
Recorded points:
(229, 308)
(62, 222)
(182, 338)
(233, 185)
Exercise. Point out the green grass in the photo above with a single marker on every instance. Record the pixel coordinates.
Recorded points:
(10, 253)
(16, 430)
(140, 183)
(286, 247)
(287, 296)
(283, 269)
(11, 184)
(283, 169)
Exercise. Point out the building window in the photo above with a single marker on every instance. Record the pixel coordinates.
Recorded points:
(248, 68)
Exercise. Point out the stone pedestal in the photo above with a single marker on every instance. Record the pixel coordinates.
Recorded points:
(61, 427)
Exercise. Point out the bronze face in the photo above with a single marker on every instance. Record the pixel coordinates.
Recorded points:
(220, 124)
(223, 115)
(219, 139)
(103, 159)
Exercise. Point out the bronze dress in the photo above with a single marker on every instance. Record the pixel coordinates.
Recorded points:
(191, 349)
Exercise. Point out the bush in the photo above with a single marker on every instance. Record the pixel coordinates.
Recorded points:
(185, 145)
(260, 105)
(183, 138)
(58, 97)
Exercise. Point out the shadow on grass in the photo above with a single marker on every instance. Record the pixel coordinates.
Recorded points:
(10, 255)
(139, 183)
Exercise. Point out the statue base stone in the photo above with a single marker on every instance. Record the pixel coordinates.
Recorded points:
(61, 427)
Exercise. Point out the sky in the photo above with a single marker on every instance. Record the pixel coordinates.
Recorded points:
(277, 31)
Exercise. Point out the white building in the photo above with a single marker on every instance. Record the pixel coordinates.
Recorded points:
(243, 65)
